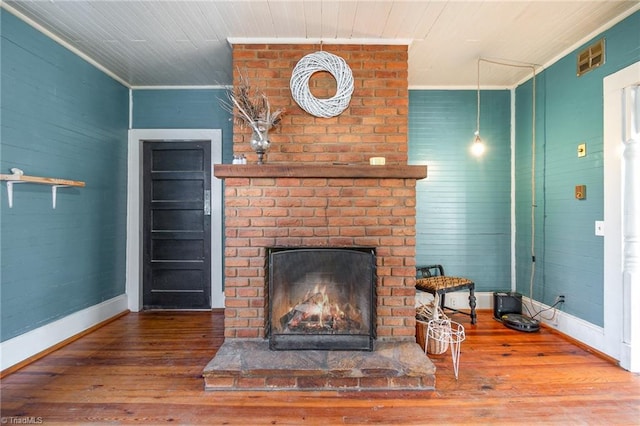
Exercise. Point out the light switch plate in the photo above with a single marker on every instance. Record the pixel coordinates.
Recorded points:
(600, 228)
(582, 150)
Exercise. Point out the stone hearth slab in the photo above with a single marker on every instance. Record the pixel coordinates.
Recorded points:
(249, 364)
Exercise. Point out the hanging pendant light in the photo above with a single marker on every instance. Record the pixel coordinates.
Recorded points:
(478, 148)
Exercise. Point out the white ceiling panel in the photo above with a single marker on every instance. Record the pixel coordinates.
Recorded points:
(404, 19)
(371, 19)
(314, 13)
(293, 23)
(186, 43)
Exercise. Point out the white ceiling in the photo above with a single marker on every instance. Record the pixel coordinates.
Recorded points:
(187, 43)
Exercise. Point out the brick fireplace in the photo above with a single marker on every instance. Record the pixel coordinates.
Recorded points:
(324, 206)
(318, 190)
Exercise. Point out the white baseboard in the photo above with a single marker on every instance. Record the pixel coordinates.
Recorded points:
(574, 327)
(20, 348)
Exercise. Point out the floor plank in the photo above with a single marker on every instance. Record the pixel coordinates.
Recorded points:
(145, 368)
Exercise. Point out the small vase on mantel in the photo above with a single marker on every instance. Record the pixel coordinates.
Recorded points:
(260, 139)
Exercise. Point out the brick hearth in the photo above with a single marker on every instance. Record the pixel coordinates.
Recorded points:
(248, 364)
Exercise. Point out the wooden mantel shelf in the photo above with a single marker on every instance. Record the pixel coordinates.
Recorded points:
(361, 171)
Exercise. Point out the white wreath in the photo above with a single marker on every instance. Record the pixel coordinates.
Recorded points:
(309, 65)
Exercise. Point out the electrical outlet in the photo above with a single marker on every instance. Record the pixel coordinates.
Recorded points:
(560, 299)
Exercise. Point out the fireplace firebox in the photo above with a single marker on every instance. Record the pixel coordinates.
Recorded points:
(321, 298)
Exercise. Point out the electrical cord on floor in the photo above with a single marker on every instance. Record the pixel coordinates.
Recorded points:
(547, 309)
(555, 311)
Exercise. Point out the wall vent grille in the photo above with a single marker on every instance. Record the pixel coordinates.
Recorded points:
(591, 57)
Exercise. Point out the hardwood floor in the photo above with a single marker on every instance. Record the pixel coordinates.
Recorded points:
(146, 369)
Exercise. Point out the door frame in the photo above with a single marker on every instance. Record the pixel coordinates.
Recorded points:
(621, 274)
(134, 209)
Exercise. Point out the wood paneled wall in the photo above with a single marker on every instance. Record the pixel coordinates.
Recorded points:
(61, 117)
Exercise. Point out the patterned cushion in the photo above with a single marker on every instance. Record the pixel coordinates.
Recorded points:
(432, 284)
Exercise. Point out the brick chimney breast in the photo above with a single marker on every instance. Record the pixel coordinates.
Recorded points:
(317, 188)
(373, 125)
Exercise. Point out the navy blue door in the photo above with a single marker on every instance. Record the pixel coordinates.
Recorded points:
(177, 225)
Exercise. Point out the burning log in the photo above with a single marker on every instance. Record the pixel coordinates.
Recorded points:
(312, 307)
(317, 313)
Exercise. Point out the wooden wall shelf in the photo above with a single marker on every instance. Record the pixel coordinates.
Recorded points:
(55, 183)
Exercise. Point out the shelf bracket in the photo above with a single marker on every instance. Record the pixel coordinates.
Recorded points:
(10, 191)
(54, 193)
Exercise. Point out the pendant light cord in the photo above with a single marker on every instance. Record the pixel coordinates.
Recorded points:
(478, 99)
(532, 67)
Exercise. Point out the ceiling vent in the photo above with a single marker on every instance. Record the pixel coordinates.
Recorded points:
(591, 57)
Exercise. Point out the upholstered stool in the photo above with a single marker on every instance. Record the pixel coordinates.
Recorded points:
(432, 279)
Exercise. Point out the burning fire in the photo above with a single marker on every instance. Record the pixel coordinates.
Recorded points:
(317, 312)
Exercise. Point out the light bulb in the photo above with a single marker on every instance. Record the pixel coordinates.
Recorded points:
(477, 148)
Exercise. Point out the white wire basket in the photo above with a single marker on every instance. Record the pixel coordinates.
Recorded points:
(424, 313)
(438, 336)
(443, 334)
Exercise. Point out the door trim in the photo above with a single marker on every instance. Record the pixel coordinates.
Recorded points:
(134, 209)
(620, 270)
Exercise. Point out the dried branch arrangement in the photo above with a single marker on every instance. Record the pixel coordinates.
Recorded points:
(251, 106)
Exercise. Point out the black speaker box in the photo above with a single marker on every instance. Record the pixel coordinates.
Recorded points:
(506, 303)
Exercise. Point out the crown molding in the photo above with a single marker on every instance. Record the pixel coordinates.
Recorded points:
(328, 41)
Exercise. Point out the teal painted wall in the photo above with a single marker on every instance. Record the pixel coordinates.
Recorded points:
(569, 257)
(463, 206)
(60, 117)
(184, 109)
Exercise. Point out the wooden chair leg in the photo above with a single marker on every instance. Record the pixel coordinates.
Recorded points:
(472, 305)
